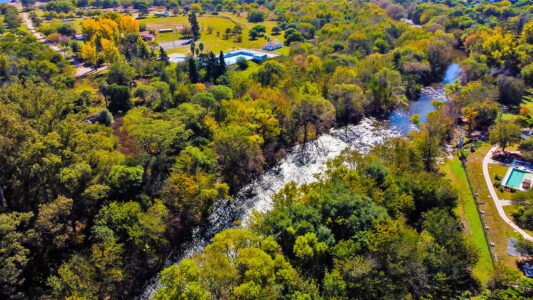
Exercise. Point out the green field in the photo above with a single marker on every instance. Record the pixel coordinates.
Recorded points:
(466, 210)
(213, 41)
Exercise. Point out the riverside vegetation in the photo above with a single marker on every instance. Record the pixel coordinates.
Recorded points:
(92, 207)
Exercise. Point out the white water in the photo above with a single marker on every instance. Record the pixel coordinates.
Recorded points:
(300, 165)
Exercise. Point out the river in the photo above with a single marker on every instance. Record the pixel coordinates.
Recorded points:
(300, 165)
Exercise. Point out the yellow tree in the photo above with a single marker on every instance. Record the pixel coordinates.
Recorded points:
(110, 50)
(88, 52)
(129, 25)
(89, 27)
(108, 29)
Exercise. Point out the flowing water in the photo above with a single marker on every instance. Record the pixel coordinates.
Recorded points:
(300, 165)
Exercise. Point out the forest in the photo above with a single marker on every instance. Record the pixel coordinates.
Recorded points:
(103, 178)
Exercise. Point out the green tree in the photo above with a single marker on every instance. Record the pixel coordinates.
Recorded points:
(119, 98)
(15, 237)
(505, 134)
(195, 28)
(163, 56)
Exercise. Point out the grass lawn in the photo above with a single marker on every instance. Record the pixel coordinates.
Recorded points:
(500, 170)
(512, 113)
(499, 230)
(509, 210)
(214, 41)
(466, 210)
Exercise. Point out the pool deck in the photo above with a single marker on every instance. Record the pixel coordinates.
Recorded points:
(500, 203)
(178, 57)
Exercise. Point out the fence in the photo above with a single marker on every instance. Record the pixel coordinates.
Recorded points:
(462, 157)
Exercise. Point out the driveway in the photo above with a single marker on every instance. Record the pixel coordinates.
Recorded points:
(81, 69)
(500, 203)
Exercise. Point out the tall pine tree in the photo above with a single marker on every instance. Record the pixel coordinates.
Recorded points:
(193, 73)
(195, 28)
(222, 64)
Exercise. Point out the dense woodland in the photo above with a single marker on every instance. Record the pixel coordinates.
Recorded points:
(98, 188)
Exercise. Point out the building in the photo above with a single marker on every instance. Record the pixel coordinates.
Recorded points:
(271, 46)
(165, 14)
(147, 36)
(79, 37)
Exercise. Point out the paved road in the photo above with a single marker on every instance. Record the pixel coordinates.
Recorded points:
(500, 203)
(174, 44)
(81, 70)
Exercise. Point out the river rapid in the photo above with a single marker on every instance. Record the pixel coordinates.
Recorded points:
(301, 164)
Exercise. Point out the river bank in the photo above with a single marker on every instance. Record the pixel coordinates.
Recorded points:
(301, 164)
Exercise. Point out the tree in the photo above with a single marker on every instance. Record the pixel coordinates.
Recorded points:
(312, 112)
(269, 73)
(109, 50)
(125, 182)
(193, 73)
(505, 133)
(222, 64)
(88, 53)
(14, 238)
(253, 34)
(256, 16)
(163, 56)
(239, 154)
(348, 100)
(119, 98)
(195, 28)
(120, 73)
(257, 31)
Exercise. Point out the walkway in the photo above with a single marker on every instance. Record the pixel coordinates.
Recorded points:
(500, 203)
(81, 70)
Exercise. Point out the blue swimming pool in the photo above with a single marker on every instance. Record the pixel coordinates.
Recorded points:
(515, 178)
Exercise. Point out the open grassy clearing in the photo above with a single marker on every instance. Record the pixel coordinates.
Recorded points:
(213, 41)
(466, 210)
(510, 114)
(499, 231)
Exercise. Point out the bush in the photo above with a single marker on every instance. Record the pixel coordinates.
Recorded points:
(242, 63)
(497, 177)
(106, 118)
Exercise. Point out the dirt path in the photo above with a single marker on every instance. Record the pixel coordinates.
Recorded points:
(500, 203)
(81, 70)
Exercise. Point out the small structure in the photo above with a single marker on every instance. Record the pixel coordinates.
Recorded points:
(271, 46)
(165, 14)
(79, 37)
(528, 179)
(147, 36)
(163, 30)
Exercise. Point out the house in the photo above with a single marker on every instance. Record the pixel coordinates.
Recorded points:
(165, 14)
(79, 37)
(271, 46)
(147, 36)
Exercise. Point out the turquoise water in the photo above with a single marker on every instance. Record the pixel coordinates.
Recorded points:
(515, 178)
